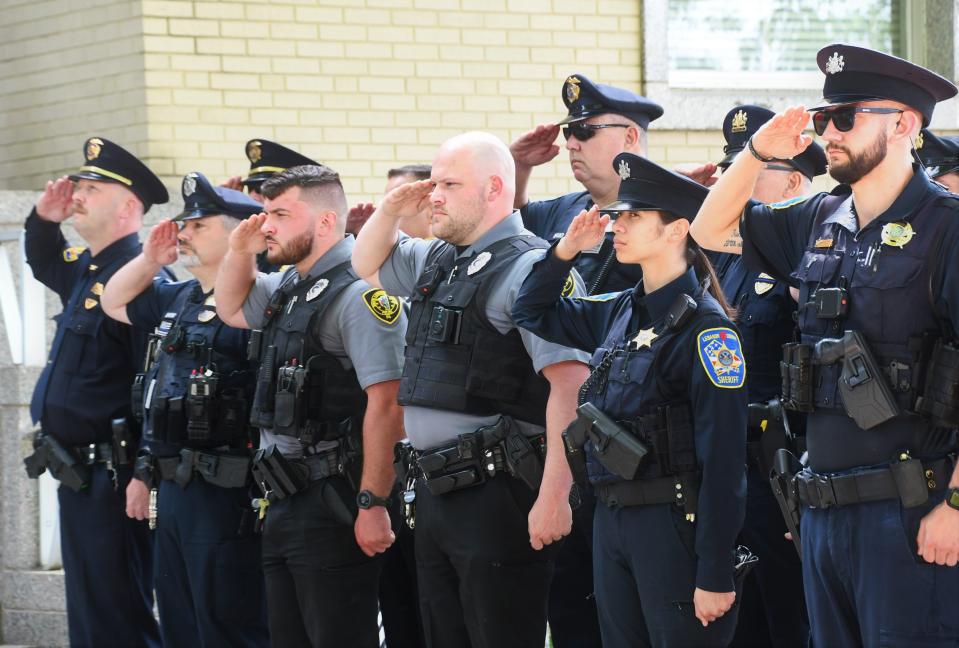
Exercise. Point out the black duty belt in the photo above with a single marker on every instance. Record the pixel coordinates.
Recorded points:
(875, 484)
(93, 453)
(224, 469)
(675, 489)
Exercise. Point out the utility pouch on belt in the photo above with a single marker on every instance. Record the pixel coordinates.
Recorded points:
(276, 476)
(866, 395)
(253, 345)
(910, 482)
(123, 445)
(261, 414)
(290, 404)
(939, 400)
(201, 406)
(522, 460)
(796, 370)
(618, 450)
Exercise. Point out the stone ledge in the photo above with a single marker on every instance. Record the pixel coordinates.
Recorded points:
(34, 628)
(40, 591)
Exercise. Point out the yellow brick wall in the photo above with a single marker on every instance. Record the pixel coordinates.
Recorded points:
(68, 68)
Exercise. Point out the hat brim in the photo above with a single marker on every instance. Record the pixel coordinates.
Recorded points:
(730, 156)
(194, 214)
(618, 206)
(844, 100)
(256, 179)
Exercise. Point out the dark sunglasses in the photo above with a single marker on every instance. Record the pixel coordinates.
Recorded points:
(844, 118)
(583, 132)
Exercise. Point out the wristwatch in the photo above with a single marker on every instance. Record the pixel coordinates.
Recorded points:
(952, 498)
(366, 500)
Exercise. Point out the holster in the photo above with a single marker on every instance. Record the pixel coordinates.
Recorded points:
(796, 370)
(276, 476)
(783, 482)
(63, 464)
(617, 449)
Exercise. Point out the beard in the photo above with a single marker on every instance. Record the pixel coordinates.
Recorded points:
(458, 229)
(296, 250)
(858, 164)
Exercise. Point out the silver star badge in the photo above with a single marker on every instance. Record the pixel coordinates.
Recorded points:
(835, 63)
(623, 170)
(644, 338)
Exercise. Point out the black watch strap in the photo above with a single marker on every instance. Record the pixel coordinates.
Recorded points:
(366, 499)
(952, 498)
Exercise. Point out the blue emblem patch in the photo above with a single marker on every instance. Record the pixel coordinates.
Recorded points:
(785, 204)
(722, 356)
(604, 297)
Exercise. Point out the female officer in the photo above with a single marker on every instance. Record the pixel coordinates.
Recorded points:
(667, 370)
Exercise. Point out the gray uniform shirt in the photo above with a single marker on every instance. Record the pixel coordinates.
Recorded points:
(347, 329)
(426, 427)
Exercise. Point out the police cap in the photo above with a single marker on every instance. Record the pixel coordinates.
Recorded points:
(740, 124)
(269, 158)
(200, 198)
(855, 74)
(940, 155)
(647, 186)
(584, 99)
(105, 161)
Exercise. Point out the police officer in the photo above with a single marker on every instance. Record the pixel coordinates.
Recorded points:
(195, 400)
(666, 444)
(772, 611)
(602, 121)
(489, 506)
(330, 354)
(875, 263)
(940, 156)
(82, 399)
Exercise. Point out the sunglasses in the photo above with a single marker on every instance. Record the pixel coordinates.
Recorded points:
(583, 132)
(844, 118)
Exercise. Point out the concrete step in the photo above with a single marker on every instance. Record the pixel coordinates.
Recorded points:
(33, 608)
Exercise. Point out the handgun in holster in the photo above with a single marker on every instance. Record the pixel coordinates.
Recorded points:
(63, 465)
(522, 459)
(866, 395)
(618, 450)
(276, 475)
(783, 481)
(289, 408)
(574, 442)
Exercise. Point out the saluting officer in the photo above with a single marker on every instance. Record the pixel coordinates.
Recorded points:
(773, 612)
(478, 393)
(196, 402)
(940, 156)
(84, 391)
(664, 413)
(330, 358)
(875, 263)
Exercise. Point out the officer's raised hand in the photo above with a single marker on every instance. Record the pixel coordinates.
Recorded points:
(938, 539)
(373, 531)
(56, 203)
(233, 182)
(161, 246)
(247, 237)
(585, 232)
(536, 147)
(358, 216)
(407, 200)
(782, 136)
(712, 605)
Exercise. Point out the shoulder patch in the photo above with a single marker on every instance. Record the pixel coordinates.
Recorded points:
(604, 297)
(569, 286)
(71, 254)
(721, 353)
(385, 308)
(785, 204)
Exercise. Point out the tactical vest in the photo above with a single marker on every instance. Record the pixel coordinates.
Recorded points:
(302, 390)
(455, 358)
(620, 384)
(198, 391)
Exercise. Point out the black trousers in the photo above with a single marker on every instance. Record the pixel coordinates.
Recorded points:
(107, 566)
(481, 583)
(321, 588)
(209, 581)
(399, 594)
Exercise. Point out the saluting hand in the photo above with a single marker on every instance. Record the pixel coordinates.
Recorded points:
(536, 147)
(373, 531)
(161, 244)
(782, 136)
(56, 203)
(712, 605)
(407, 200)
(585, 232)
(247, 238)
(233, 182)
(938, 539)
(358, 216)
(704, 174)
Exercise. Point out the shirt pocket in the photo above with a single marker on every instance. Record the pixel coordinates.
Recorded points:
(80, 347)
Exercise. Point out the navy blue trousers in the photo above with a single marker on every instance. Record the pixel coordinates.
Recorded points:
(772, 610)
(645, 571)
(866, 584)
(107, 565)
(209, 582)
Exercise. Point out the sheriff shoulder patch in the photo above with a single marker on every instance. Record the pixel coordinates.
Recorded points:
(385, 308)
(721, 354)
(71, 254)
(569, 286)
(786, 204)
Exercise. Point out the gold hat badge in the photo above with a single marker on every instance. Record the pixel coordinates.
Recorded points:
(254, 152)
(739, 122)
(93, 148)
(572, 89)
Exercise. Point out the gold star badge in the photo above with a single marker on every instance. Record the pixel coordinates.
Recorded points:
(644, 338)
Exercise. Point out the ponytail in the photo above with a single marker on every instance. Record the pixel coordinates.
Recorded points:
(704, 268)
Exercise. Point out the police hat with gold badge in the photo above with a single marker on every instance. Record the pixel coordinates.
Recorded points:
(201, 198)
(647, 186)
(584, 99)
(105, 161)
(856, 74)
(269, 158)
(940, 155)
(740, 124)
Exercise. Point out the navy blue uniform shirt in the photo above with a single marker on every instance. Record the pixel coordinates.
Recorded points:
(681, 373)
(161, 306)
(902, 274)
(549, 220)
(93, 359)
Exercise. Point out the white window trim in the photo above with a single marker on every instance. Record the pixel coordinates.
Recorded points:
(698, 100)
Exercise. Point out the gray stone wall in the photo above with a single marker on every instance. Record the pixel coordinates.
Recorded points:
(31, 599)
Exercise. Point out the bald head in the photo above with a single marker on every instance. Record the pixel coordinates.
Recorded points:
(485, 155)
